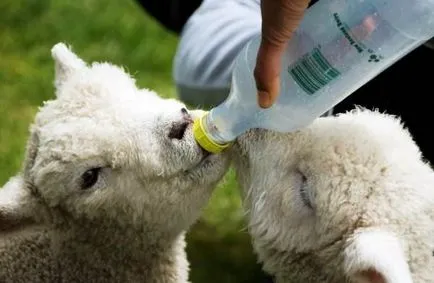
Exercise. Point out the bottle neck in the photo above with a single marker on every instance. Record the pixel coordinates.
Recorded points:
(217, 124)
(228, 120)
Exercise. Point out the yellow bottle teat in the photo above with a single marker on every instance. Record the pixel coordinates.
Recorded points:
(203, 139)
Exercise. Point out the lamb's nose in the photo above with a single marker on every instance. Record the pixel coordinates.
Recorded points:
(186, 115)
(178, 128)
(177, 131)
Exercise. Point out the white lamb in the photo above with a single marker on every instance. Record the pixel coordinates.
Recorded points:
(348, 199)
(111, 180)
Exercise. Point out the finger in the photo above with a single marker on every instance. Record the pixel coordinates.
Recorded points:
(267, 74)
(279, 20)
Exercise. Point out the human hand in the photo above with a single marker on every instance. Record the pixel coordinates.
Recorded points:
(280, 18)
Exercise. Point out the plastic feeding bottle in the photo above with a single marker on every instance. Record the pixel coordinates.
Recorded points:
(339, 46)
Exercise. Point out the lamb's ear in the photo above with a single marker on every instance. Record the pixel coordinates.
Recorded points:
(66, 63)
(15, 209)
(375, 256)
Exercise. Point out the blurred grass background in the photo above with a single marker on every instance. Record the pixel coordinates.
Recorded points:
(118, 31)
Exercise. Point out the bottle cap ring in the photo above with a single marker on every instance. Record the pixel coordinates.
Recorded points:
(203, 139)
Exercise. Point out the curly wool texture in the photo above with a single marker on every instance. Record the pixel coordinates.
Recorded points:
(348, 199)
(106, 193)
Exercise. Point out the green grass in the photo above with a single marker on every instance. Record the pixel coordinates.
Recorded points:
(120, 32)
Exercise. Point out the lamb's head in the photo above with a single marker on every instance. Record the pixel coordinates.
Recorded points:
(349, 197)
(106, 152)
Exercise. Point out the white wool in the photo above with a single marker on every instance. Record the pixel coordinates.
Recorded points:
(314, 198)
(144, 188)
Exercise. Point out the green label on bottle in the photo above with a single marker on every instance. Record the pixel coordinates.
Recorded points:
(313, 71)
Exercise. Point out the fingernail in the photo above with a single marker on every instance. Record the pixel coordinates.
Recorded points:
(264, 99)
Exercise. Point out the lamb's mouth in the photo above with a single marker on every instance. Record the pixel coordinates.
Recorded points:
(201, 163)
(205, 156)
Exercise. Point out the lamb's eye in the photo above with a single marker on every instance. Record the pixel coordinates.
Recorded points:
(89, 178)
(304, 192)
